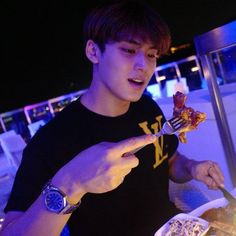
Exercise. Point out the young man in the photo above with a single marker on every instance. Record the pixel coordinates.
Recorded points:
(82, 153)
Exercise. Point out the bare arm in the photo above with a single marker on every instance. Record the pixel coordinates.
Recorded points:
(87, 172)
(182, 169)
(35, 221)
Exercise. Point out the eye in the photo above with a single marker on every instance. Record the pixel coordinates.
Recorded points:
(128, 50)
(153, 56)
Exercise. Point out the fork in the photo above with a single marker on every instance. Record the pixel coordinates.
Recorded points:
(171, 126)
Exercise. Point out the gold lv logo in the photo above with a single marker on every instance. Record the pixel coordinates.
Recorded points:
(159, 156)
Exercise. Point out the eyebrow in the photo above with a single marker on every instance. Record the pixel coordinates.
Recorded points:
(132, 41)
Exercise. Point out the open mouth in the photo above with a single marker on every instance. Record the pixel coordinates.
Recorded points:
(136, 81)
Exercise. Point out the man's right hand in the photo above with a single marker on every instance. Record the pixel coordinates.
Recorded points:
(99, 168)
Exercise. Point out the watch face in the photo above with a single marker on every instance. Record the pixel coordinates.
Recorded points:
(54, 201)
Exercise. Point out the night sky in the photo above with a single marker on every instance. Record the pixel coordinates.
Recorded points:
(43, 51)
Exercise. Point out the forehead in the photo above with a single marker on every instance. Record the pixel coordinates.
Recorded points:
(138, 43)
(135, 36)
(135, 40)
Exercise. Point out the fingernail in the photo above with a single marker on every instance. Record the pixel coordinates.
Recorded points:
(151, 137)
(222, 185)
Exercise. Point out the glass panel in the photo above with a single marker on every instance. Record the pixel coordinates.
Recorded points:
(169, 72)
(190, 71)
(224, 62)
(216, 50)
(167, 76)
(38, 112)
(58, 105)
(224, 65)
(17, 121)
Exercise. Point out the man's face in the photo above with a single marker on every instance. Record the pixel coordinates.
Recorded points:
(125, 69)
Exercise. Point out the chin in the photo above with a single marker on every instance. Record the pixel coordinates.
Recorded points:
(134, 98)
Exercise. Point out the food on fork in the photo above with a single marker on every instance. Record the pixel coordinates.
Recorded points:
(192, 117)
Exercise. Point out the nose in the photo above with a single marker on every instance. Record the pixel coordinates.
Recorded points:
(140, 62)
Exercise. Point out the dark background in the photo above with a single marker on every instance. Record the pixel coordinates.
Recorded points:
(43, 51)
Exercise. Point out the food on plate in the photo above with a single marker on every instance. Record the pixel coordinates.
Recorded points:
(222, 220)
(222, 229)
(185, 227)
(192, 117)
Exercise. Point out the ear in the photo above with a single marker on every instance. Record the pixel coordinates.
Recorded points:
(92, 51)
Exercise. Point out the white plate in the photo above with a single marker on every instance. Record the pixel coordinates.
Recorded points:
(221, 202)
(182, 216)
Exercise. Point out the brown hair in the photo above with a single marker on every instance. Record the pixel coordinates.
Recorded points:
(124, 20)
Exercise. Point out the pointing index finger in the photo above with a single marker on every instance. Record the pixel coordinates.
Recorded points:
(130, 144)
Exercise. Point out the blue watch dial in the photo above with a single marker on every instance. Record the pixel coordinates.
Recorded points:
(54, 201)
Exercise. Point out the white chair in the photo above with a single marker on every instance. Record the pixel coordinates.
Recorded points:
(8, 133)
(12, 146)
(34, 127)
(5, 167)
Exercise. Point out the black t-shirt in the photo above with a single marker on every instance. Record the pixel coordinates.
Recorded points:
(139, 206)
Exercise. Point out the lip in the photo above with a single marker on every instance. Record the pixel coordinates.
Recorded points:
(137, 82)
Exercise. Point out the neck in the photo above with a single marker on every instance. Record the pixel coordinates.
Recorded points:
(106, 105)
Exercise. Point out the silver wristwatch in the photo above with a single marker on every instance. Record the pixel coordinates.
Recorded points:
(56, 200)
